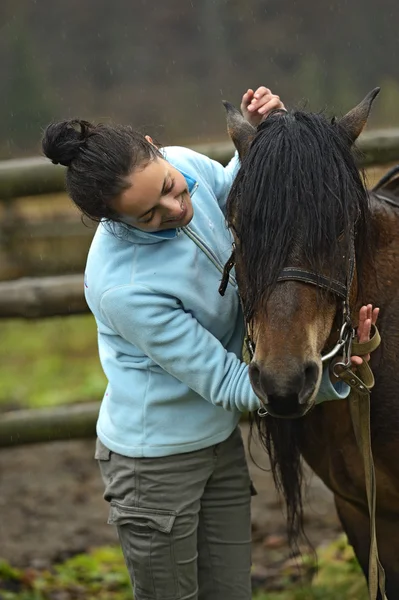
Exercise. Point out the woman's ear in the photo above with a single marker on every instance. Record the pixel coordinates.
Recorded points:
(149, 139)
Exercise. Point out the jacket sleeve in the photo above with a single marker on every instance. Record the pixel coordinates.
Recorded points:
(222, 178)
(329, 390)
(175, 340)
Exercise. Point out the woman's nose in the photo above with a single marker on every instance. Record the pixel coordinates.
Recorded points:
(173, 207)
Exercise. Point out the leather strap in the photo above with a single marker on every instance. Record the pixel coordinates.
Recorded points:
(331, 285)
(363, 348)
(361, 383)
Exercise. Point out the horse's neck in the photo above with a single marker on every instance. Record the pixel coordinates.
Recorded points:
(380, 282)
(381, 287)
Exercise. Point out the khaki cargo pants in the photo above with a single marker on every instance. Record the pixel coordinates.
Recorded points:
(183, 521)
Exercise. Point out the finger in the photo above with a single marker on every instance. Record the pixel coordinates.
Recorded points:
(374, 316)
(364, 334)
(262, 91)
(356, 361)
(362, 314)
(260, 99)
(272, 104)
(369, 310)
(247, 99)
(362, 318)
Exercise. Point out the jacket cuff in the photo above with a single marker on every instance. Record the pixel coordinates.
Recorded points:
(331, 391)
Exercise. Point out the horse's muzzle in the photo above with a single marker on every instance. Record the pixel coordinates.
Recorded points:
(288, 394)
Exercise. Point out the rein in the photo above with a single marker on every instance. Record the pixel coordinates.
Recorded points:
(360, 383)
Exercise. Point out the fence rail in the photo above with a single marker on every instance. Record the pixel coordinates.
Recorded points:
(34, 176)
(76, 421)
(34, 298)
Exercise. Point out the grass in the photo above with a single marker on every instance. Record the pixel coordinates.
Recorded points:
(49, 362)
(102, 575)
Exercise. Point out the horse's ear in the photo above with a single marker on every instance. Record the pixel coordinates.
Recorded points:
(240, 131)
(355, 120)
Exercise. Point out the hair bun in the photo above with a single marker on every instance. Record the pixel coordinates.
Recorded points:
(62, 141)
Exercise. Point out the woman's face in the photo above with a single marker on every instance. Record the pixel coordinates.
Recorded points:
(157, 199)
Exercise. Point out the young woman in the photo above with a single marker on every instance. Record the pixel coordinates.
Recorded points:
(169, 447)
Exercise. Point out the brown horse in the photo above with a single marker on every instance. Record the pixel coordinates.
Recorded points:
(299, 205)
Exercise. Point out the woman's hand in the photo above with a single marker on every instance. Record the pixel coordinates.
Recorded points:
(367, 317)
(255, 106)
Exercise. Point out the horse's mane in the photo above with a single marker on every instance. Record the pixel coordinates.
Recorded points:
(298, 184)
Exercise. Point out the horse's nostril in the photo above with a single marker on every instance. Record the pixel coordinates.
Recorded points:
(258, 381)
(311, 374)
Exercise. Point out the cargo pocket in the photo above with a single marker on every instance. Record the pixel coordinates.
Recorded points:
(102, 452)
(146, 538)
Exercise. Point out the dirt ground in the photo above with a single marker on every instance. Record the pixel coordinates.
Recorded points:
(51, 506)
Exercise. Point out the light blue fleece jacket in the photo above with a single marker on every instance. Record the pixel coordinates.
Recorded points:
(169, 344)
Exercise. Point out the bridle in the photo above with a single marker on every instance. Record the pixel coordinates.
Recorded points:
(341, 290)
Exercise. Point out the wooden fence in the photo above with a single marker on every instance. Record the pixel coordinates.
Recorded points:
(33, 298)
(41, 234)
(34, 176)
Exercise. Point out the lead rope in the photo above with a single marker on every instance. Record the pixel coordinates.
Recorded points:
(361, 383)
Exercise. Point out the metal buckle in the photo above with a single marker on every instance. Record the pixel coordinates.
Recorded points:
(345, 338)
(250, 346)
(346, 335)
(349, 377)
(262, 412)
(341, 366)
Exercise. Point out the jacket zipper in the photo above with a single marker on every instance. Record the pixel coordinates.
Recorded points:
(202, 246)
(207, 251)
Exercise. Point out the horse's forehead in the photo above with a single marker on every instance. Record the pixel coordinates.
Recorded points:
(286, 298)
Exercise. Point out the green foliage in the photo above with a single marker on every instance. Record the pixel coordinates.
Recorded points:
(339, 576)
(7, 572)
(49, 362)
(170, 67)
(101, 575)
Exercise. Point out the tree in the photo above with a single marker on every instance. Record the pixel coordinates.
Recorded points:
(25, 106)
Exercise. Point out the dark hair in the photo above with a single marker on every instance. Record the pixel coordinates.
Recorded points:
(298, 189)
(99, 159)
